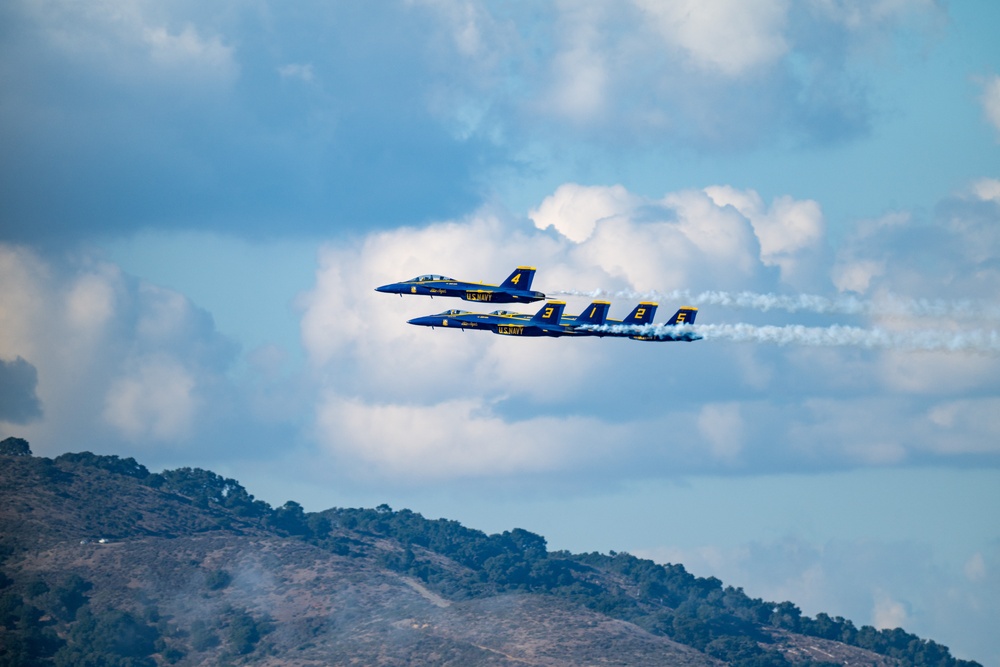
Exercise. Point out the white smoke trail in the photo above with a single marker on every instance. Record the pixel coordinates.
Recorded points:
(930, 340)
(812, 303)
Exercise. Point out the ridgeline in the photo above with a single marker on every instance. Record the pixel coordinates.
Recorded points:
(105, 563)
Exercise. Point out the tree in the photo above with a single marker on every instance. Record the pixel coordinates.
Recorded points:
(15, 447)
(112, 463)
(290, 518)
(243, 632)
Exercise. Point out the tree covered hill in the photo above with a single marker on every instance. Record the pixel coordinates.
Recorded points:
(105, 563)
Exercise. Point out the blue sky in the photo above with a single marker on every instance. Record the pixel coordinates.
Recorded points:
(198, 201)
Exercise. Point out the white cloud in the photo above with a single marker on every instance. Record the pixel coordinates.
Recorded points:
(90, 303)
(649, 244)
(861, 407)
(455, 438)
(155, 402)
(888, 613)
(975, 568)
(722, 426)
(468, 22)
(574, 210)
(856, 276)
(580, 76)
(302, 71)
(790, 231)
(133, 41)
(991, 100)
(965, 426)
(188, 50)
(948, 259)
(116, 357)
(726, 36)
(987, 189)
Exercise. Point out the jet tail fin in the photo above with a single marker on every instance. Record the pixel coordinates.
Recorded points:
(685, 315)
(641, 314)
(550, 313)
(596, 313)
(520, 279)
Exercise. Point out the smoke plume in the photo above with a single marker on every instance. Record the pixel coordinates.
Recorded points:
(927, 340)
(812, 303)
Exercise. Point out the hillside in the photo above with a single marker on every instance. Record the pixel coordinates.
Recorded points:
(105, 563)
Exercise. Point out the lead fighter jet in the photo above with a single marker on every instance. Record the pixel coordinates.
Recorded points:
(516, 289)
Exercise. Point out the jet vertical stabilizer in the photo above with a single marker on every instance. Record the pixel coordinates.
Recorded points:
(520, 279)
(595, 314)
(641, 314)
(550, 313)
(685, 315)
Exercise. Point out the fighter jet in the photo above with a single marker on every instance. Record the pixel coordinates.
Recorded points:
(516, 289)
(548, 321)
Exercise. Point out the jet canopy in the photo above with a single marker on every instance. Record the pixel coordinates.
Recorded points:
(504, 312)
(429, 277)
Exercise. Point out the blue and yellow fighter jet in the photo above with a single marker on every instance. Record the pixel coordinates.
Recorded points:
(548, 321)
(516, 289)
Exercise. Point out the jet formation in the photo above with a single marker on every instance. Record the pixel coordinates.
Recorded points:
(549, 321)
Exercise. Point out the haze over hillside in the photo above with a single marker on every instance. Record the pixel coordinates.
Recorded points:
(106, 563)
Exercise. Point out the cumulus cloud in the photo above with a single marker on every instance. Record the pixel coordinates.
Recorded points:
(726, 36)
(115, 358)
(574, 210)
(790, 231)
(200, 97)
(152, 403)
(820, 408)
(454, 438)
(155, 369)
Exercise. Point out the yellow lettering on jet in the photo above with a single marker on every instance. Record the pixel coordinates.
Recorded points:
(639, 313)
(510, 329)
(548, 313)
(681, 317)
(515, 279)
(479, 296)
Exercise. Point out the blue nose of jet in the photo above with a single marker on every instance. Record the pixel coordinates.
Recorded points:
(385, 288)
(426, 321)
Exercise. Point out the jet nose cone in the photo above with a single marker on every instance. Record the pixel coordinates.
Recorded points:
(426, 321)
(384, 288)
